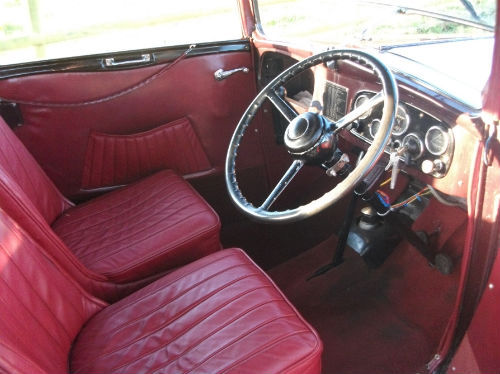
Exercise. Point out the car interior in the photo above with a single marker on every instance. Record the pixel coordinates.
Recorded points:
(249, 205)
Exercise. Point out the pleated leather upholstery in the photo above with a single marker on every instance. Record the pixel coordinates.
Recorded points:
(121, 159)
(156, 224)
(220, 314)
(42, 309)
(128, 236)
(15, 203)
(22, 167)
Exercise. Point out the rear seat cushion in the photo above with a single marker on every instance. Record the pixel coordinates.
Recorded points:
(220, 314)
(155, 224)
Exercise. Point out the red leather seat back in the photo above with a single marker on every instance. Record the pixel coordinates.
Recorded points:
(42, 309)
(21, 181)
(22, 167)
(20, 208)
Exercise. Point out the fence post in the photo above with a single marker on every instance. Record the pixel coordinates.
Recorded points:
(34, 8)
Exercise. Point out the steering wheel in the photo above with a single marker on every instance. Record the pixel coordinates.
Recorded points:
(312, 139)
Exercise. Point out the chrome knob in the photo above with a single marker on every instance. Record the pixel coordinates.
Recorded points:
(429, 166)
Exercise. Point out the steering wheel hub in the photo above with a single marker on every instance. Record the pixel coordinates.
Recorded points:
(304, 132)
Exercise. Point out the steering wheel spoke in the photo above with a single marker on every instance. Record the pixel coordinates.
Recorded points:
(282, 105)
(282, 184)
(358, 112)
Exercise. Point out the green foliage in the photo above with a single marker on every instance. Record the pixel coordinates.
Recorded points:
(286, 20)
(9, 29)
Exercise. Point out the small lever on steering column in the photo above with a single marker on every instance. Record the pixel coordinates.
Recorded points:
(397, 155)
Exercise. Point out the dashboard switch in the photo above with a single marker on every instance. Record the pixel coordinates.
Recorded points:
(430, 167)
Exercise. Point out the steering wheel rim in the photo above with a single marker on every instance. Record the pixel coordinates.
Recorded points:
(389, 96)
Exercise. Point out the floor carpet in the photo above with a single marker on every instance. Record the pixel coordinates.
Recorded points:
(385, 320)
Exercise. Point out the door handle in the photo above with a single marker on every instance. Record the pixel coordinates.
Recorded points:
(223, 74)
(145, 58)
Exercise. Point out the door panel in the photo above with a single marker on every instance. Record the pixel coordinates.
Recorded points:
(60, 132)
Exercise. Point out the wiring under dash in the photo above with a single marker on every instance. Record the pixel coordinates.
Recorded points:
(385, 200)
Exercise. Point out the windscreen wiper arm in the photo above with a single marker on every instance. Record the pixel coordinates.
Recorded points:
(470, 8)
(407, 10)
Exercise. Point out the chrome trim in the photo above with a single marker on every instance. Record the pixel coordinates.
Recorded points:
(368, 112)
(370, 127)
(413, 106)
(446, 135)
(407, 119)
(144, 59)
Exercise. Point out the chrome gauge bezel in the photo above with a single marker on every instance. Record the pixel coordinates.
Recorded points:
(446, 137)
(368, 112)
(419, 128)
(406, 117)
(420, 145)
(370, 127)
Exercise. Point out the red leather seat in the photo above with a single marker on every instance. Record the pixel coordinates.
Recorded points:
(220, 314)
(158, 223)
(131, 234)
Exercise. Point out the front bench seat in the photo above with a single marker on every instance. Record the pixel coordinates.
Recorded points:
(220, 314)
(128, 235)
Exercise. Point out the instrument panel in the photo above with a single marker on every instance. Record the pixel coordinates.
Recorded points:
(428, 141)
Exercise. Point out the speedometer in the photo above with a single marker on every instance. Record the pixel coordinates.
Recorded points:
(402, 121)
(437, 140)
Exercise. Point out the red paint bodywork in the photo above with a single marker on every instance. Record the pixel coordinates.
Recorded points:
(478, 351)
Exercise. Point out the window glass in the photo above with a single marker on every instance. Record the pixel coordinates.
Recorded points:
(33, 30)
(360, 23)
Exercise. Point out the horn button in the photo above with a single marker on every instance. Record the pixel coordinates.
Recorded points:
(306, 137)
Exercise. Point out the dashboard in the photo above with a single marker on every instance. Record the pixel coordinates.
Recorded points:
(435, 121)
(422, 136)
(428, 142)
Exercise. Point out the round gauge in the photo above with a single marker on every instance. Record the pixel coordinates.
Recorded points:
(414, 145)
(361, 99)
(402, 121)
(437, 140)
(374, 126)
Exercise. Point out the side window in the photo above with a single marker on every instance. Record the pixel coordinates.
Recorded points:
(32, 30)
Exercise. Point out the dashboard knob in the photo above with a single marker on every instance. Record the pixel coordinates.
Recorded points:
(414, 146)
(429, 166)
